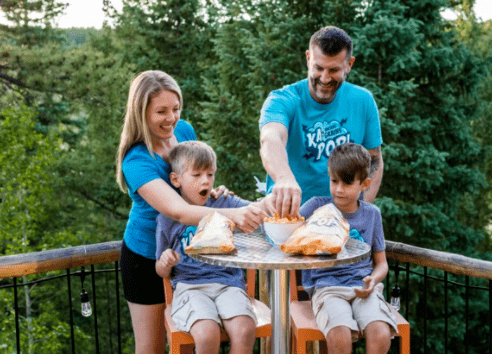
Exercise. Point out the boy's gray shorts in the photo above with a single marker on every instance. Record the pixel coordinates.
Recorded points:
(338, 306)
(193, 302)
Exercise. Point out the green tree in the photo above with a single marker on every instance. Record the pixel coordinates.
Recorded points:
(28, 207)
(477, 36)
(173, 36)
(31, 21)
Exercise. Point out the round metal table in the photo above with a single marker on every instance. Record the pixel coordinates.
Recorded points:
(255, 252)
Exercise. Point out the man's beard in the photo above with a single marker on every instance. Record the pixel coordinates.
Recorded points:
(334, 85)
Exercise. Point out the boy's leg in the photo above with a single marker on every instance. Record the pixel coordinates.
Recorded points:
(375, 320)
(333, 311)
(378, 337)
(242, 334)
(194, 311)
(148, 327)
(339, 340)
(238, 317)
(206, 334)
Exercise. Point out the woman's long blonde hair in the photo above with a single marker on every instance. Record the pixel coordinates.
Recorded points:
(135, 129)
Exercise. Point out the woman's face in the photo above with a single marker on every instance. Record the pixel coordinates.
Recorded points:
(163, 114)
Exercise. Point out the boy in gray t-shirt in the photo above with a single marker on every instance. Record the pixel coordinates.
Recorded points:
(349, 299)
(206, 296)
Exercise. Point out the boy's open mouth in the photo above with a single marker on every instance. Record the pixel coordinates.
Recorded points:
(203, 193)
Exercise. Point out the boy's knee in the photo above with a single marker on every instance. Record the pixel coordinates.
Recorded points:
(378, 334)
(339, 340)
(206, 333)
(242, 329)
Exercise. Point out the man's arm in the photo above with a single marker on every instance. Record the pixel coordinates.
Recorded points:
(376, 174)
(286, 192)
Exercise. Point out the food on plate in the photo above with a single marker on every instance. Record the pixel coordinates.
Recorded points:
(213, 236)
(276, 219)
(324, 232)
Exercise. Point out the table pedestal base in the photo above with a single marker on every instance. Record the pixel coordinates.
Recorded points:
(279, 302)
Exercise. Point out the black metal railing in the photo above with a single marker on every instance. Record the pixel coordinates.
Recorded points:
(440, 298)
(17, 284)
(431, 300)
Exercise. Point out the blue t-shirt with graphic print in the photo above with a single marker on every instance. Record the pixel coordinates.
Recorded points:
(139, 168)
(365, 225)
(314, 129)
(172, 234)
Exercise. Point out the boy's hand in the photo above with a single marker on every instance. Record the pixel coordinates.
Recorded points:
(169, 258)
(248, 218)
(221, 190)
(368, 287)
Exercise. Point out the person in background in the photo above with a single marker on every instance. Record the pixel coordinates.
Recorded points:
(349, 299)
(206, 297)
(303, 122)
(152, 127)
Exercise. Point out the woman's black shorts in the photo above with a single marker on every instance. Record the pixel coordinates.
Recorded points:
(141, 284)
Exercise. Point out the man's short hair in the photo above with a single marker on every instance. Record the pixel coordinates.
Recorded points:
(192, 154)
(332, 40)
(349, 161)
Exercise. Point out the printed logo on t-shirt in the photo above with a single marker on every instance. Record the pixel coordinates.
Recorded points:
(185, 240)
(322, 137)
(354, 233)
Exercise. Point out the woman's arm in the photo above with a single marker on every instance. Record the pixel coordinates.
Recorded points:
(168, 202)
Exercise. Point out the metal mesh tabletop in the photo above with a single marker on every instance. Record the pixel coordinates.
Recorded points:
(254, 251)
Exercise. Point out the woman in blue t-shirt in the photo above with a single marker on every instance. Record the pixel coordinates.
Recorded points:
(151, 129)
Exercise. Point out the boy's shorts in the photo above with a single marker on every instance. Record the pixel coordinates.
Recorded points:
(338, 306)
(193, 302)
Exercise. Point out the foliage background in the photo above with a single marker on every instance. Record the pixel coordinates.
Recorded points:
(62, 101)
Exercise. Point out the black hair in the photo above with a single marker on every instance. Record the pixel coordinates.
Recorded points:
(332, 40)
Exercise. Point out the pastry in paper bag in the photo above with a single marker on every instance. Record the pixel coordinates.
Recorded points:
(324, 232)
(213, 236)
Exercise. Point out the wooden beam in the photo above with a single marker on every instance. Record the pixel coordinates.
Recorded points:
(449, 262)
(63, 258)
(73, 257)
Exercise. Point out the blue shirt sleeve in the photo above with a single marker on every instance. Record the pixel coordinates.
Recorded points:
(139, 167)
(378, 238)
(372, 137)
(277, 108)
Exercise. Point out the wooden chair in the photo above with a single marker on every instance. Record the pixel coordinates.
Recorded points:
(182, 342)
(305, 329)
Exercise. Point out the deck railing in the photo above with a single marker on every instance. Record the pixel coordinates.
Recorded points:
(438, 289)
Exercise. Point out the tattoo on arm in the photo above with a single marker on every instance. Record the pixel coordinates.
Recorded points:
(375, 161)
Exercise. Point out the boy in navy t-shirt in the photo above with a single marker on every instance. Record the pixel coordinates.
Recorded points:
(349, 299)
(206, 296)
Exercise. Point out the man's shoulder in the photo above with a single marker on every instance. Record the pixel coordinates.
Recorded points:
(291, 91)
(356, 90)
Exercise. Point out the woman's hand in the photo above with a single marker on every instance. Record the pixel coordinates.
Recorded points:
(247, 218)
(221, 190)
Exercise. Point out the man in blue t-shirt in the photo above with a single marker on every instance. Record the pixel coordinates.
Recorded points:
(302, 123)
